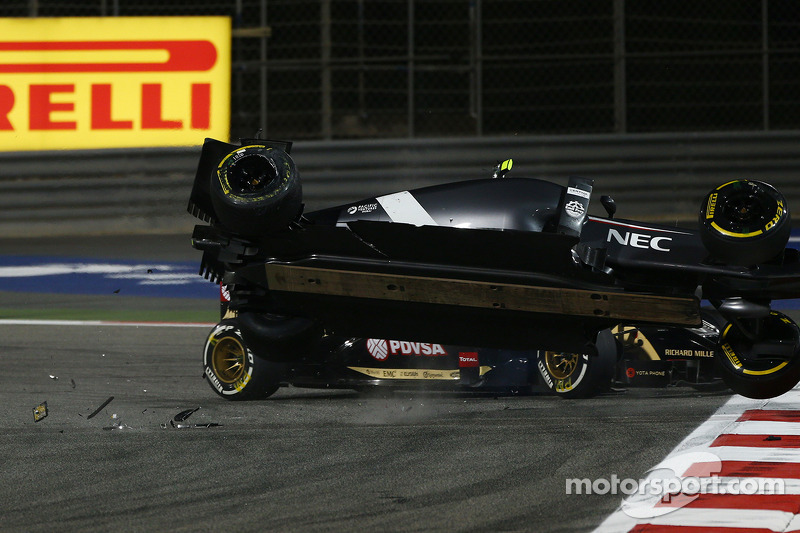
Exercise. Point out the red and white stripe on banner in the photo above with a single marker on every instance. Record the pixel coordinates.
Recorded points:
(753, 440)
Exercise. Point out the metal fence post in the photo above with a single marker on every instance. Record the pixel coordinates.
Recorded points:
(620, 97)
(476, 65)
(362, 101)
(325, 57)
(104, 8)
(237, 75)
(410, 67)
(263, 82)
(765, 62)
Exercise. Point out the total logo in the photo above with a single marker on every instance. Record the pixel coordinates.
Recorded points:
(380, 349)
(468, 359)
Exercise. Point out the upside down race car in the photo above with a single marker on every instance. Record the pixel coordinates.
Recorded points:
(627, 356)
(502, 263)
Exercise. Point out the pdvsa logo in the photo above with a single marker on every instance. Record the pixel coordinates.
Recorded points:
(380, 349)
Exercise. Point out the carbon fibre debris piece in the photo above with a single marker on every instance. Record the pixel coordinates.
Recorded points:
(179, 421)
(183, 415)
(102, 406)
(179, 425)
(118, 425)
(40, 412)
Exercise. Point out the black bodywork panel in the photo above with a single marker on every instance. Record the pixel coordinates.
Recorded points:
(405, 265)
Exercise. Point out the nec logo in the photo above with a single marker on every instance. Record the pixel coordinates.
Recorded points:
(639, 240)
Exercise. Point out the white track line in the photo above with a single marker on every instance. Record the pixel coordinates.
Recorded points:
(719, 519)
(765, 428)
(25, 322)
(747, 453)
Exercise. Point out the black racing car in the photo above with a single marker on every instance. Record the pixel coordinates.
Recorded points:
(503, 263)
(627, 356)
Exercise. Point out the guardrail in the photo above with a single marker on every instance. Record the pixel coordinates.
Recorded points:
(658, 177)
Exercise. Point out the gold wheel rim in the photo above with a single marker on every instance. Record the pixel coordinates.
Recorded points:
(561, 365)
(228, 360)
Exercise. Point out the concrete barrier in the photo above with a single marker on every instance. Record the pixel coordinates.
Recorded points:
(657, 177)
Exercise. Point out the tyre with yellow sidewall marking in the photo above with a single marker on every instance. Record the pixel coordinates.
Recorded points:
(233, 370)
(255, 190)
(744, 222)
(759, 377)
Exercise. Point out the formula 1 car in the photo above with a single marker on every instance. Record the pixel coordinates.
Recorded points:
(503, 263)
(627, 356)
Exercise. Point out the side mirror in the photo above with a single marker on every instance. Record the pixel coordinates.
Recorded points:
(609, 204)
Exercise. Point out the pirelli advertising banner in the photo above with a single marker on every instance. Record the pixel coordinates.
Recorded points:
(112, 82)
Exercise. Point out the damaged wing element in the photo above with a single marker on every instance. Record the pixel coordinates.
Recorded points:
(179, 421)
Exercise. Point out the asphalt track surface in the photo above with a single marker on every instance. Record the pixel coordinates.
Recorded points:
(303, 460)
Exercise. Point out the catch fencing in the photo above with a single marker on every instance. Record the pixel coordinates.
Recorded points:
(349, 69)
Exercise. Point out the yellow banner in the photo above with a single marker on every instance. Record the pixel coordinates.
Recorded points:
(111, 82)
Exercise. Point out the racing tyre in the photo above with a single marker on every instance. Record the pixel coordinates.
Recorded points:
(573, 375)
(760, 377)
(280, 338)
(744, 222)
(233, 370)
(255, 190)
